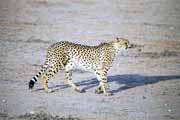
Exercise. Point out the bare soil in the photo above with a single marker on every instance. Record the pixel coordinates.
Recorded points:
(145, 80)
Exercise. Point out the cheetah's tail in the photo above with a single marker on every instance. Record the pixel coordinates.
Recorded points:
(37, 76)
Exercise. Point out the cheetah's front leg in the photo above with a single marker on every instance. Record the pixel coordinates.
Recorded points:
(103, 85)
(69, 81)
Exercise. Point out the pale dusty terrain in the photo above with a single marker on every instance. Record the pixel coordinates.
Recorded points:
(145, 80)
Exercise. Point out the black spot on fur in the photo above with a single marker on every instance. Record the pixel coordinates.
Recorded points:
(31, 84)
(97, 73)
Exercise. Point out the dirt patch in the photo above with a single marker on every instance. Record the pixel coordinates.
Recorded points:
(37, 116)
(145, 79)
(166, 53)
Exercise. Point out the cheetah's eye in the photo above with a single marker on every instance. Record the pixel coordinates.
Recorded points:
(126, 45)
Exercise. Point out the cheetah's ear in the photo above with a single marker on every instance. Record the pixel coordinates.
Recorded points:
(117, 38)
(120, 39)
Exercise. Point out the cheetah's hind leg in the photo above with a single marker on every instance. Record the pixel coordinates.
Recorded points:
(45, 79)
(51, 71)
(70, 83)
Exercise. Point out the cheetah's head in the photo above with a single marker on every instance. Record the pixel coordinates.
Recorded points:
(121, 43)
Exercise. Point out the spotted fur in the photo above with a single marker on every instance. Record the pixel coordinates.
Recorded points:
(67, 56)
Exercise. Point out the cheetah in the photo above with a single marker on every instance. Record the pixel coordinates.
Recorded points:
(67, 56)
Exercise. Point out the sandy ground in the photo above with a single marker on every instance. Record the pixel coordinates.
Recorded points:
(145, 80)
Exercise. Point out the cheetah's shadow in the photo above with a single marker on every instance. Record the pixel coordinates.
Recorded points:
(128, 80)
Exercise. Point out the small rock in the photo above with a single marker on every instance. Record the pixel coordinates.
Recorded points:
(163, 93)
(144, 97)
(4, 101)
(31, 112)
(165, 104)
(139, 50)
(169, 110)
